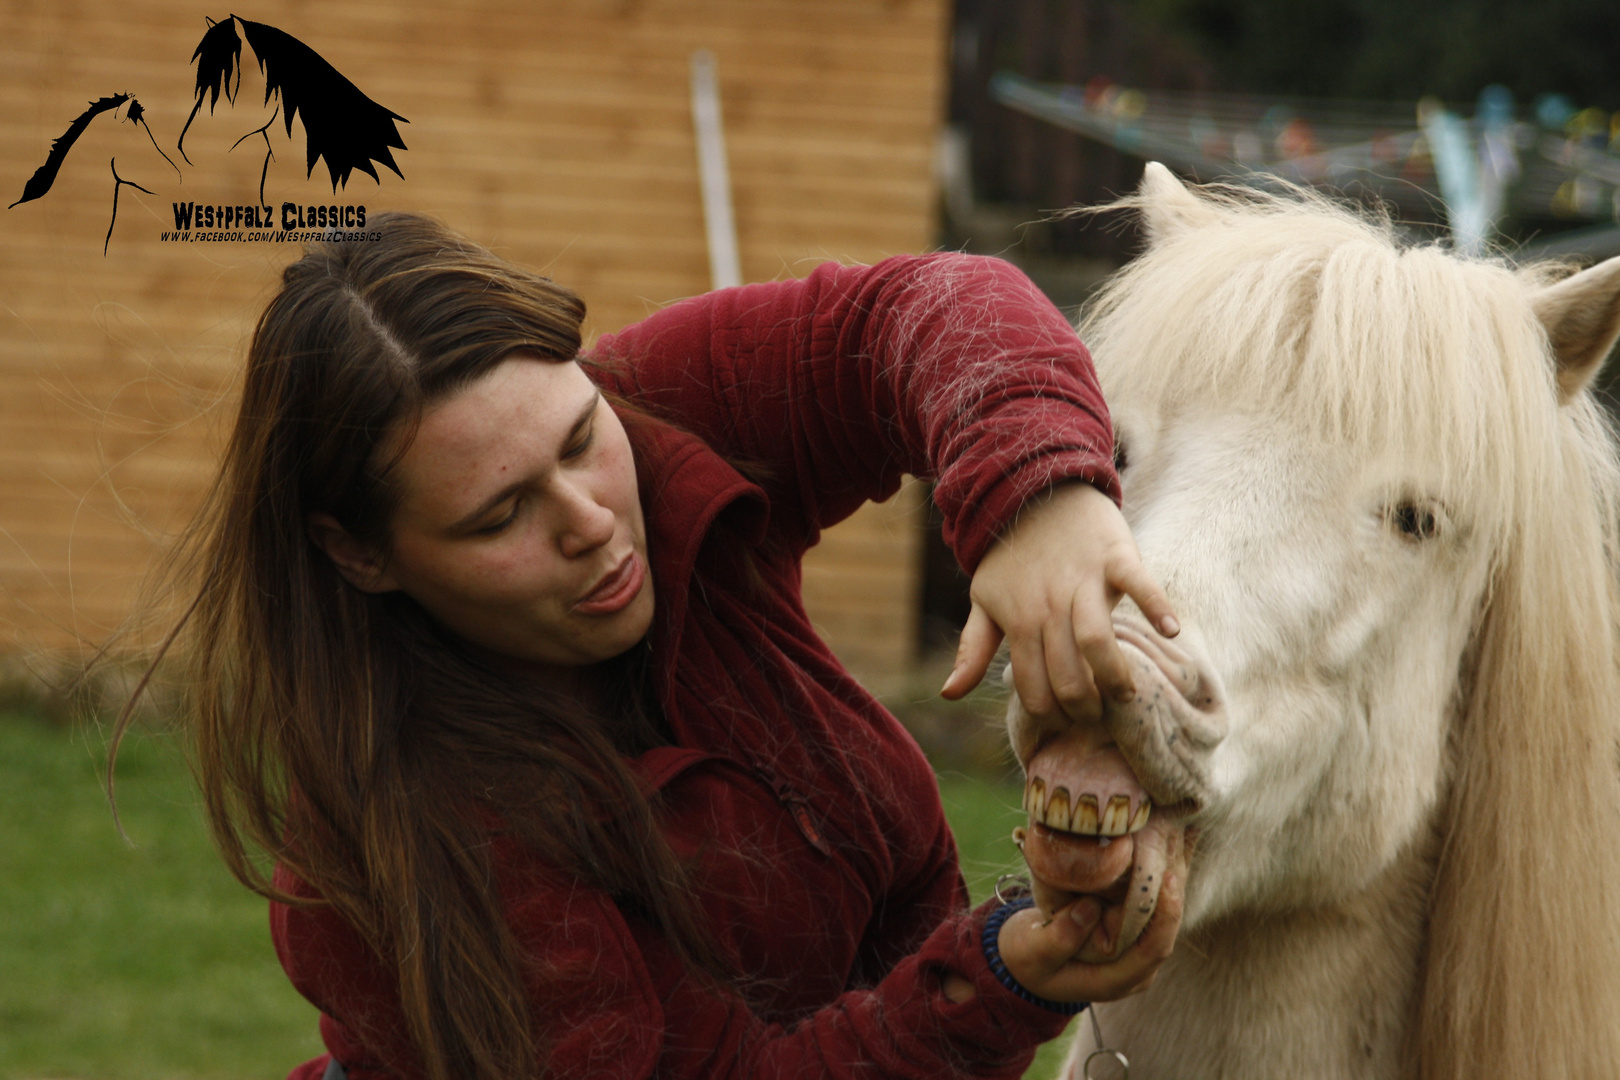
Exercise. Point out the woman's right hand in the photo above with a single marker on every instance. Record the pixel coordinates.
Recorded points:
(1043, 956)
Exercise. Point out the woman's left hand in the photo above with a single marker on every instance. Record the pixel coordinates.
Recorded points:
(1042, 953)
(1049, 586)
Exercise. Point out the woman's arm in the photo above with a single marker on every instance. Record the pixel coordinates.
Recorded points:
(612, 1002)
(950, 367)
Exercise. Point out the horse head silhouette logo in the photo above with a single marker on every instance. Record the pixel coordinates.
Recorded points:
(341, 124)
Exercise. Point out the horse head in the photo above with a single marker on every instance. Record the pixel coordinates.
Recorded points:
(1374, 484)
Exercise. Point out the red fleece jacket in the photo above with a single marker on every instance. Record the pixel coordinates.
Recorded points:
(827, 866)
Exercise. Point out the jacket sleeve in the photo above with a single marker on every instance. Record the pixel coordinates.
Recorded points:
(902, 1028)
(611, 1003)
(950, 367)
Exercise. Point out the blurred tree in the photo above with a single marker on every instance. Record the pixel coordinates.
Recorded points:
(1397, 49)
(1021, 160)
(1378, 50)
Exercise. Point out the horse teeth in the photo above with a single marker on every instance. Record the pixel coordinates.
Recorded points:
(1116, 818)
(1085, 815)
(1057, 811)
(1081, 814)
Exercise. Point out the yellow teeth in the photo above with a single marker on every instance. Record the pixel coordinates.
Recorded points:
(1057, 810)
(1081, 814)
(1035, 799)
(1116, 816)
(1085, 816)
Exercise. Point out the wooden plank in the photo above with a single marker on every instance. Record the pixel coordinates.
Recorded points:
(557, 132)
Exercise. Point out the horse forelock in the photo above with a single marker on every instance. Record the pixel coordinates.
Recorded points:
(1294, 307)
(1289, 306)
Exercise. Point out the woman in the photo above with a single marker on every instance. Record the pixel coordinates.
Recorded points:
(498, 650)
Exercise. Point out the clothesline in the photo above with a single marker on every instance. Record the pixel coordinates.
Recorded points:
(1564, 163)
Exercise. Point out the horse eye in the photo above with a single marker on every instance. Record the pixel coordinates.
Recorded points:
(1121, 458)
(1415, 521)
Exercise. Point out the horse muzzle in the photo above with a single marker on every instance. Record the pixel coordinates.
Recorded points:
(1109, 803)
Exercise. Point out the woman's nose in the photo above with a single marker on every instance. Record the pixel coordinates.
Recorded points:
(586, 524)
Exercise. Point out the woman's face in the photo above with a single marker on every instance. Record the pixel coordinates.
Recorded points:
(518, 524)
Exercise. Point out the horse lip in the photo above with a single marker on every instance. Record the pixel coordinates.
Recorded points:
(1061, 849)
(1053, 736)
(1194, 681)
(1173, 662)
(1164, 757)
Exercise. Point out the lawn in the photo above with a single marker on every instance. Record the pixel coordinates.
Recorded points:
(150, 963)
(141, 962)
(983, 815)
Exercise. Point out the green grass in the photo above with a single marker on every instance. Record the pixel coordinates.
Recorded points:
(983, 815)
(120, 962)
(152, 963)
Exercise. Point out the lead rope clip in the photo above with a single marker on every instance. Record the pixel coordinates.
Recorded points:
(1103, 1054)
(1010, 887)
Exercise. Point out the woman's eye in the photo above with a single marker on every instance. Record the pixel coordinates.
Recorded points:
(499, 526)
(581, 446)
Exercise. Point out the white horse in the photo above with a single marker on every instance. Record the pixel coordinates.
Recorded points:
(1374, 484)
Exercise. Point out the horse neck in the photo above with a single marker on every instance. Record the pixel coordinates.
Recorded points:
(1325, 992)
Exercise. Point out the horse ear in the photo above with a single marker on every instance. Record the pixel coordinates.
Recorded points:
(1168, 208)
(1582, 317)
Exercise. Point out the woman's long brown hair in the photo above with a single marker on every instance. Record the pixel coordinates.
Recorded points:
(349, 736)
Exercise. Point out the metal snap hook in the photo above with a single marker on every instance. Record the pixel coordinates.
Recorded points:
(1103, 1054)
(1005, 891)
(1123, 1072)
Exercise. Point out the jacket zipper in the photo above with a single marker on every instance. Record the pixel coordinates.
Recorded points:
(798, 806)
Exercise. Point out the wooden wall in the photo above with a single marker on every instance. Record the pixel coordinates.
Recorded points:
(557, 131)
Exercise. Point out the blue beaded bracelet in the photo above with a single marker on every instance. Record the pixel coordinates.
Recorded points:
(990, 940)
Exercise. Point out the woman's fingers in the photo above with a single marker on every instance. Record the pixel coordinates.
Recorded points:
(1072, 683)
(1035, 947)
(1092, 616)
(1041, 951)
(974, 651)
(1033, 682)
(1092, 627)
(1133, 972)
(1132, 579)
(1050, 585)
(1050, 898)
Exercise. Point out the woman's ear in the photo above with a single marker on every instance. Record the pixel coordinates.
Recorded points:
(361, 564)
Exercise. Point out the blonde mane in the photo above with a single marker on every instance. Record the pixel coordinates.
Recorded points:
(1289, 305)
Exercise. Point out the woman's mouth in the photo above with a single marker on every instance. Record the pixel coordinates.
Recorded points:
(615, 591)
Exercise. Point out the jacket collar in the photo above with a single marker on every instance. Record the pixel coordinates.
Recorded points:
(685, 488)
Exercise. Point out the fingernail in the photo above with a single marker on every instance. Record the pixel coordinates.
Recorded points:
(1169, 627)
(1086, 912)
(1125, 695)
